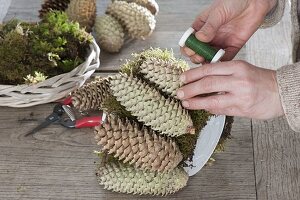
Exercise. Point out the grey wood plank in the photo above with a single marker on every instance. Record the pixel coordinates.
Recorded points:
(58, 163)
(277, 160)
(4, 6)
(276, 146)
(24, 9)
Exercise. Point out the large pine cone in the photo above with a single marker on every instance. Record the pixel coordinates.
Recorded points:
(92, 95)
(138, 146)
(126, 179)
(84, 12)
(49, 5)
(164, 74)
(137, 20)
(109, 33)
(151, 5)
(149, 106)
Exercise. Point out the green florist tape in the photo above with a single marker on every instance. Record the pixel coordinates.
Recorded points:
(203, 49)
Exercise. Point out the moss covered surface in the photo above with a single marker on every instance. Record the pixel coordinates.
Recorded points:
(51, 47)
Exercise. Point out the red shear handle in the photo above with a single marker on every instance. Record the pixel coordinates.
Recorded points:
(67, 101)
(88, 122)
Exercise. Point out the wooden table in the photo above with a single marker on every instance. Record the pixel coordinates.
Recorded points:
(261, 161)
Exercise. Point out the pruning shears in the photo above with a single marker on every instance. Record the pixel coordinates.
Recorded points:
(62, 108)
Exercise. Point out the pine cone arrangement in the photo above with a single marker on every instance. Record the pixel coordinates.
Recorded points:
(149, 106)
(137, 20)
(110, 33)
(82, 11)
(126, 179)
(140, 147)
(147, 136)
(48, 5)
(136, 17)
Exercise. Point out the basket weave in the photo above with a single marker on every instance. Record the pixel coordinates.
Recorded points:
(53, 88)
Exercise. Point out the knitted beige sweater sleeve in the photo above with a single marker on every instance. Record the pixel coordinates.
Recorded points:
(288, 77)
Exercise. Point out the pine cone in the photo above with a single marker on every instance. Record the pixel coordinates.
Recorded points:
(92, 95)
(84, 12)
(137, 20)
(139, 146)
(149, 106)
(126, 179)
(163, 73)
(109, 33)
(151, 5)
(48, 5)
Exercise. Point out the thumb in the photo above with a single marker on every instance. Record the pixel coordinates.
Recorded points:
(209, 30)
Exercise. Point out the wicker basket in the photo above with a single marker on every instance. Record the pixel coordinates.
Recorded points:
(53, 88)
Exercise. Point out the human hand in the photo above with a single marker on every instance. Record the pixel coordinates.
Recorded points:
(239, 89)
(228, 25)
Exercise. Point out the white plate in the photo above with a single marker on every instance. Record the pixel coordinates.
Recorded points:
(206, 144)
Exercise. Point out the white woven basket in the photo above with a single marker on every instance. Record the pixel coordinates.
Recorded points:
(53, 88)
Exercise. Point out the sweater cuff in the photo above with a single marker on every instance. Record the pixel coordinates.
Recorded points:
(288, 79)
(275, 15)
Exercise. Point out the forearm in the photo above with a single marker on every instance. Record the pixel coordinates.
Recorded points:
(288, 79)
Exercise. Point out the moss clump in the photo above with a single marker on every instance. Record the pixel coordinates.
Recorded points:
(187, 142)
(132, 66)
(225, 134)
(111, 105)
(53, 46)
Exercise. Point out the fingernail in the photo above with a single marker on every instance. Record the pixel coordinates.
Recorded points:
(185, 104)
(199, 34)
(182, 78)
(180, 94)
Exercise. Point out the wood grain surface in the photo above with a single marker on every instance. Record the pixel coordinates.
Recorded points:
(59, 163)
(261, 161)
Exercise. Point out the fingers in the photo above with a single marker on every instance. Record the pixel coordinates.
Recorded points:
(200, 20)
(217, 104)
(216, 69)
(209, 29)
(206, 85)
(195, 58)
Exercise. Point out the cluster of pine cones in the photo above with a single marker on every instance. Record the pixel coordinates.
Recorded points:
(134, 18)
(145, 124)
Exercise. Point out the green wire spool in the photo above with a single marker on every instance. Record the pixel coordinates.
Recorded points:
(201, 48)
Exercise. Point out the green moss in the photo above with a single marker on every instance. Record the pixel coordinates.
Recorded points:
(225, 134)
(53, 46)
(187, 142)
(13, 65)
(111, 105)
